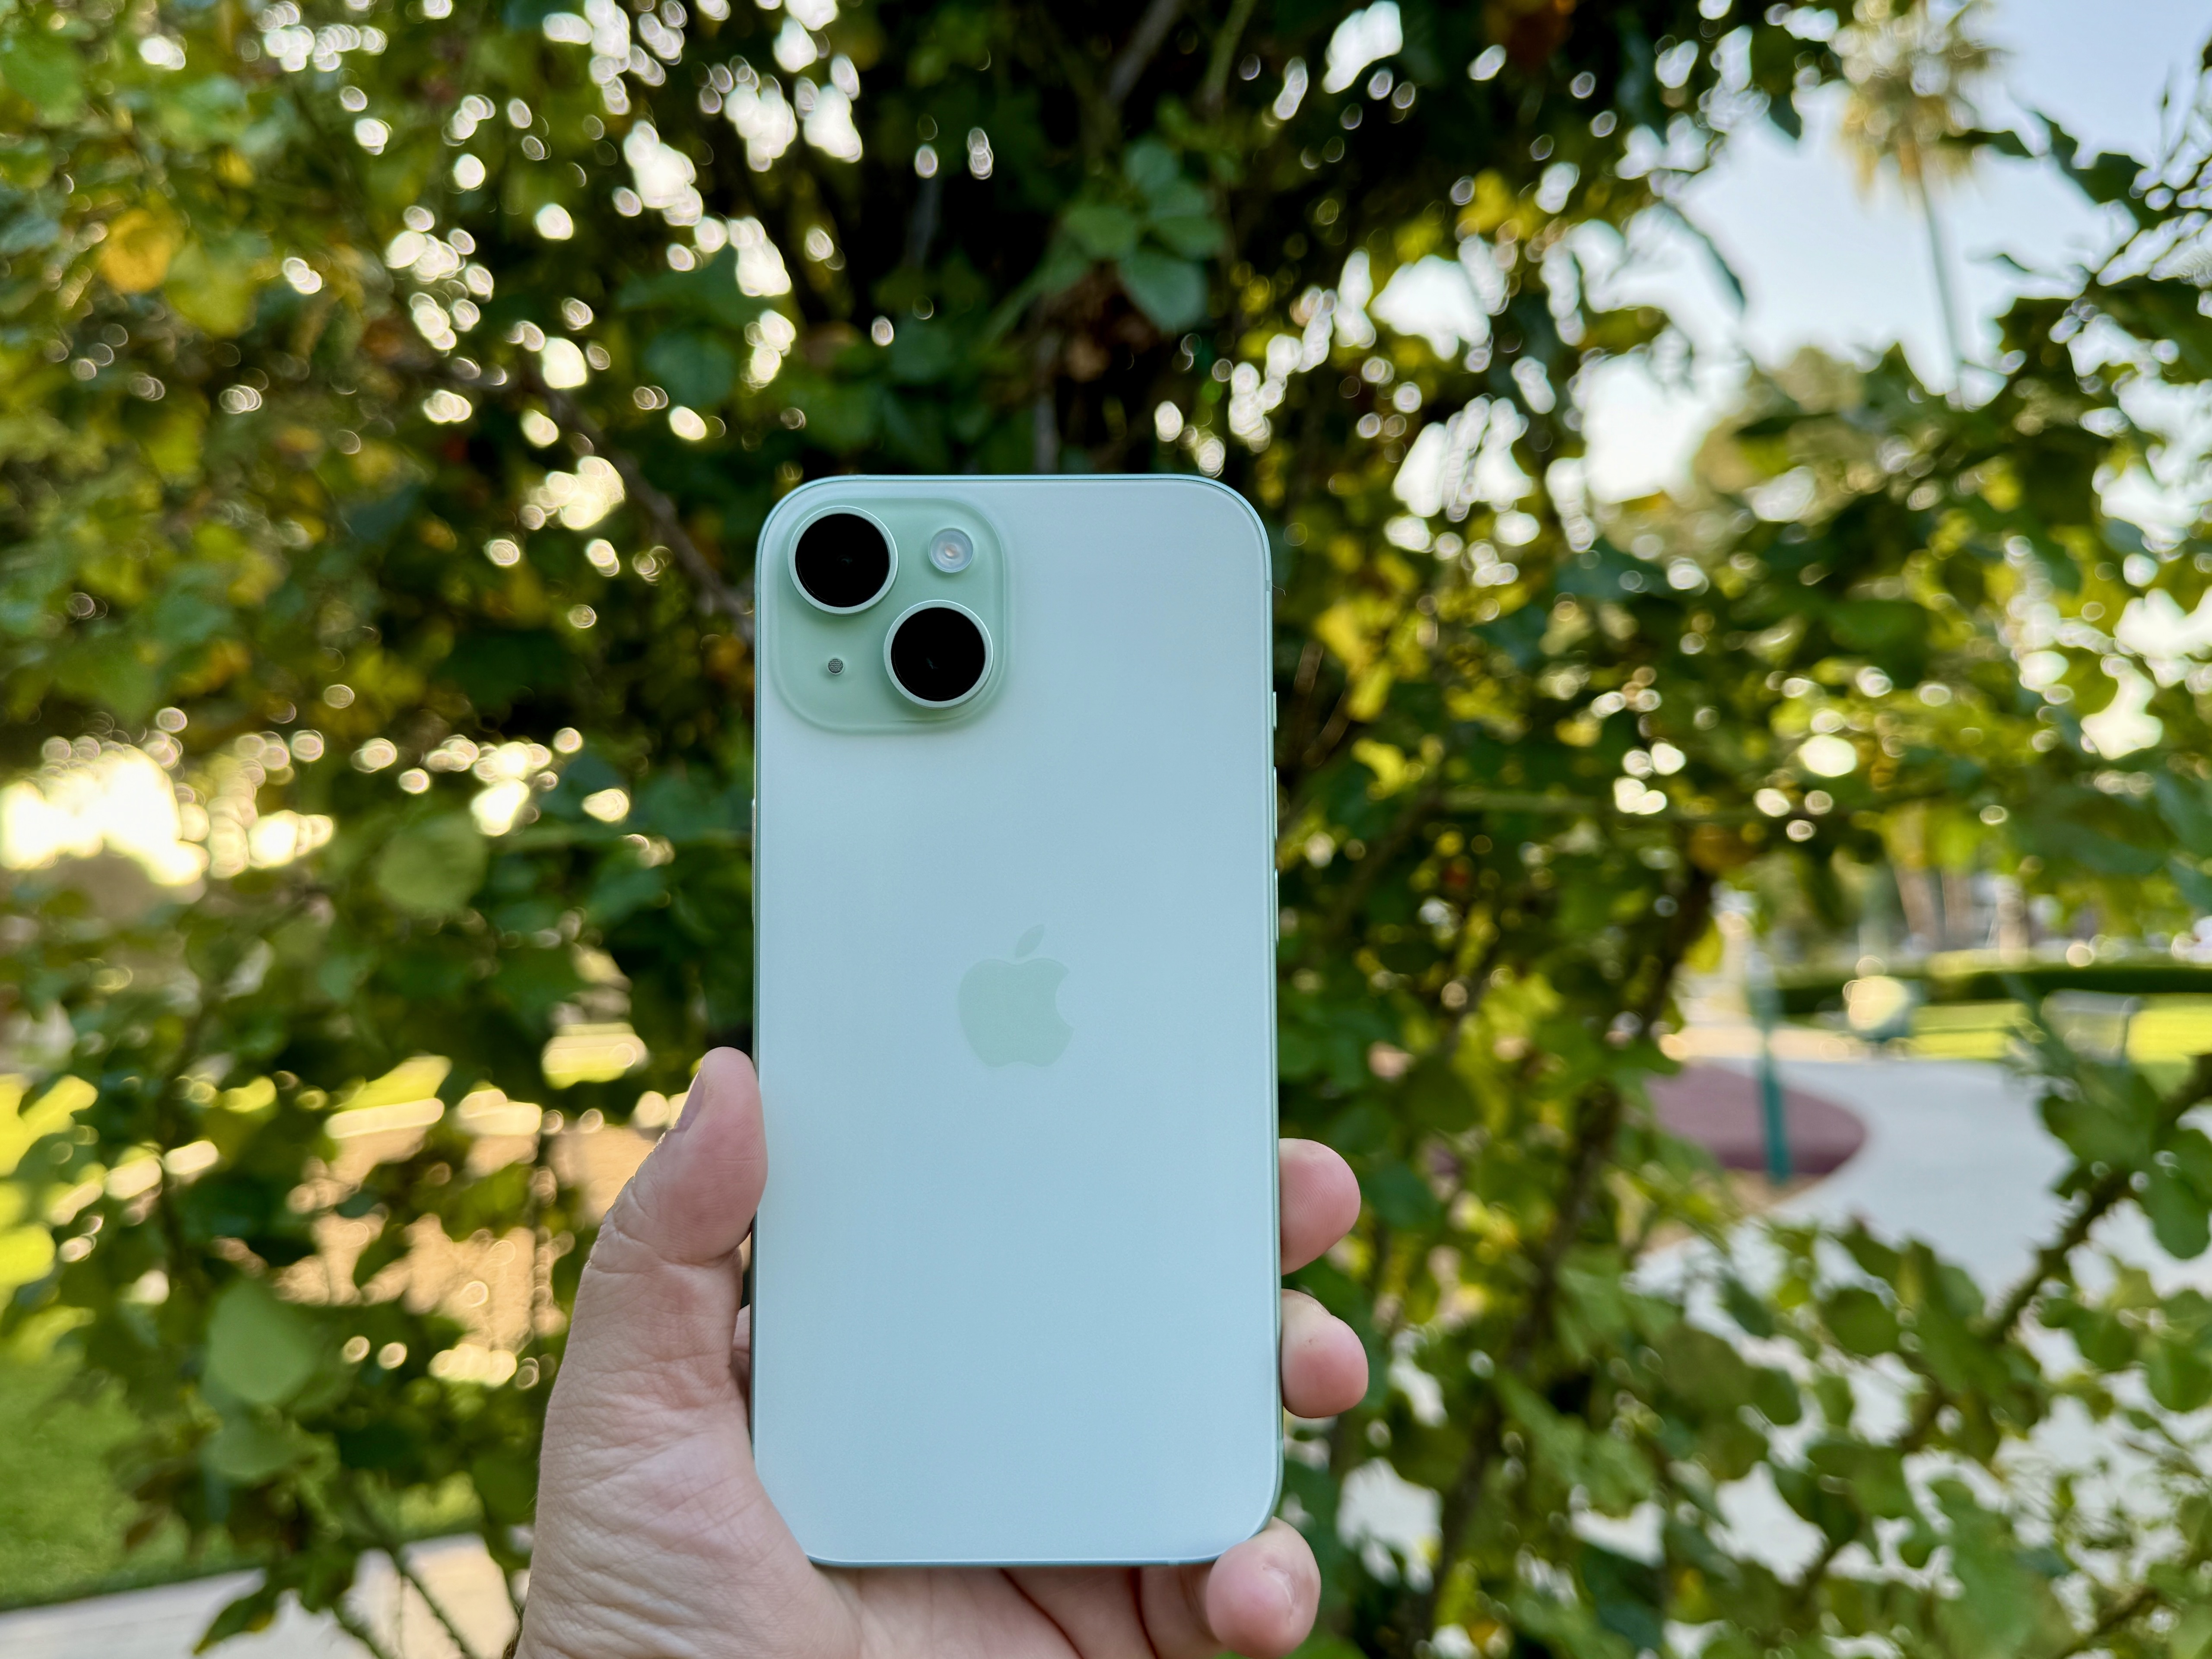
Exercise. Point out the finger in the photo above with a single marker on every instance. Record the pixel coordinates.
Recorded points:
(1258, 1600)
(1320, 1201)
(1324, 1367)
(741, 1355)
(659, 1300)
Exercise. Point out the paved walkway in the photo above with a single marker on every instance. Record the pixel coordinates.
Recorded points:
(164, 1623)
(1955, 1154)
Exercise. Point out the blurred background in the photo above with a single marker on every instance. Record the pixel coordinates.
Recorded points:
(1735, 478)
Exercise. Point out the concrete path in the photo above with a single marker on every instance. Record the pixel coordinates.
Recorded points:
(1954, 1155)
(164, 1623)
(1957, 1155)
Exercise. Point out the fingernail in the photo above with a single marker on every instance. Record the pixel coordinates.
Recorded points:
(1288, 1586)
(692, 1096)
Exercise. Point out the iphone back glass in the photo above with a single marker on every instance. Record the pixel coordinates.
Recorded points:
(1014, 1279)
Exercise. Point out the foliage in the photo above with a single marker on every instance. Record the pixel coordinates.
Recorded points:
(60, 1510)
(384, 424)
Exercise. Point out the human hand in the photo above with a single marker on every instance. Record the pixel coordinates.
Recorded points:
(655, 1540)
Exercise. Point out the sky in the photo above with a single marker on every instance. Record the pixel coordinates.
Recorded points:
(1825, 264)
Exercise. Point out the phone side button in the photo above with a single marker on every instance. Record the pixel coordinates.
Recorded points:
(1275, 905)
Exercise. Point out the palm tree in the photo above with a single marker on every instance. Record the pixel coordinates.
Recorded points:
(1909, 64)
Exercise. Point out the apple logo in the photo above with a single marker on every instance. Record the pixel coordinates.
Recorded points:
(1011, 1009)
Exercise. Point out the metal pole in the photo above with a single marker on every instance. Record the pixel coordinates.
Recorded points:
(1765, 999)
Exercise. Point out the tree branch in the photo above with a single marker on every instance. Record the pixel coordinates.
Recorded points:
(1044, 409)
(2140, 1601)
(2050, 1262)
(921, 223)
(1211, 90)
(1594, 1135)
(407, 1573)
(1152, 28)
(357, 1627)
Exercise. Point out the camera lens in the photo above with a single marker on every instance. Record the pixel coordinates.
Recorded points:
(937, 655)
(843, 562)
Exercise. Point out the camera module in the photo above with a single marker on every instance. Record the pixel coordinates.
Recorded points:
(843, 561)
(937, 655)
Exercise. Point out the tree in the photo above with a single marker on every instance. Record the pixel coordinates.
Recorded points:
(387, 419)
(1910, 69)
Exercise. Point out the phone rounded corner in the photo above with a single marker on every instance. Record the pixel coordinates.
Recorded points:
(799, 501)
(793, 509)
(1251, 1519)
(1214, 489)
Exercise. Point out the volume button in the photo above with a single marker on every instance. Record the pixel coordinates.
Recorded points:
(1275, 906)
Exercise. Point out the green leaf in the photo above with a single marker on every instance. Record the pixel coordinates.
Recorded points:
(841, 419)
(1399, 1196)
(924, 352)
(246, 1451)
(215, 288)
(26, 1254)
(210, 110)
(2178, 1212)
(255, 1610)
(696, 368)
(1744, 1307)
(42, 67)
(1102, 230)
(1179, 199)
(258, 1349)
(1627, 1594)
(1169, 290)
(1861, 1322)
(1195, 236)
(2191, 1152)
(2179, 1375)
(2106, 1340)
(1704, 1368)
(2105, 1128)
(432, 867)
(29, 231)
(1875, 1476)
(493, 667)
(2193, 1634)
(707, 293)
(535, 982)
(110, 668)
(1150, 166)
(507, 1483)
(1774, 1395)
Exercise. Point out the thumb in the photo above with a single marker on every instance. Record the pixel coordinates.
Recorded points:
(659, 1299)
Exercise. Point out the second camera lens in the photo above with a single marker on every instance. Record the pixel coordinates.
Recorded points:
(843, 562)
(937, 655)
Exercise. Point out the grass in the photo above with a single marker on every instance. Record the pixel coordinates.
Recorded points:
(2168, 1028)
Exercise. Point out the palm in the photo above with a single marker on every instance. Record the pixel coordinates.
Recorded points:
(656, 1541)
